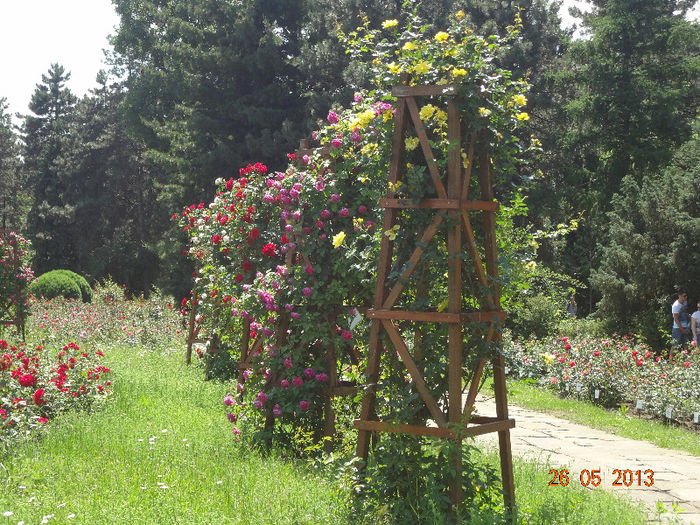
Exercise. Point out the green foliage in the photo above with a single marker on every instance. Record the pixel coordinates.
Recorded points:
(410, 472)
(85, 290)
(56, 283)
(46, 144)
(539, 316)
(532, 295)
(13, 194)
(653, 247)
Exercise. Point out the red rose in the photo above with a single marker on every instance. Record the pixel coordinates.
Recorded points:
(216, 239)
(269, 250)
(27, 380)
(38, 397)
(229, 184)
(247, 266)
(254, 233)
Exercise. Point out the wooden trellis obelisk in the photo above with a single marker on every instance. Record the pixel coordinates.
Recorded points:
(451, 202)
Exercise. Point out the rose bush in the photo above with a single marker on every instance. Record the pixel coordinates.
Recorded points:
(15, 277)
(292, 254)
(612, 371)
(36, 384)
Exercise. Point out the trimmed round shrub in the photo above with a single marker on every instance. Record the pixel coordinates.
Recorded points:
(85, 290)
(55, 284)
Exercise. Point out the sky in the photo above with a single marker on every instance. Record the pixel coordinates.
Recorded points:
(36, 33)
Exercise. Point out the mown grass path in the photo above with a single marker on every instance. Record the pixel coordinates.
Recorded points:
(160, 452)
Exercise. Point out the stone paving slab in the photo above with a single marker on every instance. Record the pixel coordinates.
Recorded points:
(565, 445)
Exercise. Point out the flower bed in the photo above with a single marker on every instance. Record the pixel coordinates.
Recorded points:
(613, 371)
(38, 381)
(36, 384)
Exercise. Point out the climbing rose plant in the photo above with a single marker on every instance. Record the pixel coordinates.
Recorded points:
(15, 277)
(293, 254)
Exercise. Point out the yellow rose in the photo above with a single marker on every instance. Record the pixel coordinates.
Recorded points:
(441, 116)
(409, 46)
(427, 111)
(422, 68)
(412, 143)
(394, 68)
(522, 116)
(392, 233)
(459, 15)
(368, 149)
(520, 100)
(459, 72)
(441, 36)
(338, 239)
(388, 24)
(484, 112)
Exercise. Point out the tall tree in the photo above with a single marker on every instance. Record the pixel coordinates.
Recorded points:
(636, 91)
(629, 94)
(211, 84)
(117, 220)
(46, 142)
(12, 184)
(653, 248)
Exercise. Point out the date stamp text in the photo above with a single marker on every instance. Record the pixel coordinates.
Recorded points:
(593, 477)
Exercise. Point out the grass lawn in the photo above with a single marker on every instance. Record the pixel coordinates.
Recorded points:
(162, 452)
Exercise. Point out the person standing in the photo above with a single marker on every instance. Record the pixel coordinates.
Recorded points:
(681, 325)
(571, 307)
(695, 324)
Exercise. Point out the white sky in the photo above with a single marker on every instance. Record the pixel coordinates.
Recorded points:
(36, 33)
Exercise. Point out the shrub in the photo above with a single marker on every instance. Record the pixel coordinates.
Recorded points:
(85, 290)
(539, 316)
(56, 284)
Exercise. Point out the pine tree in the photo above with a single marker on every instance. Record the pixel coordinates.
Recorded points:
(12, 184)
(653, 247)
(46, 142)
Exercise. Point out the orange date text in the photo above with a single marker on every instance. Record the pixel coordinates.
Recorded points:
(593, 477)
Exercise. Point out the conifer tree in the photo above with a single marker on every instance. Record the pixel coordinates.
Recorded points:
(12, 184)
(46, 142)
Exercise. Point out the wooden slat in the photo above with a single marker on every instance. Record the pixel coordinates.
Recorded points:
(436, 317)
(382, 426)
(404, 315)
(419, 91)
(425, 145)
(497, 426)
(482, 317)
(415, 373)
(383, 268)
(416, 430)
(454, 297)
(444, 204)
(412, 263)
(476, 257)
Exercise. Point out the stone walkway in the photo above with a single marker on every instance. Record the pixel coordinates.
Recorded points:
(565, 445)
